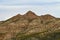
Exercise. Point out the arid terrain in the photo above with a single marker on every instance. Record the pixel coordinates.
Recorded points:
(30, 27)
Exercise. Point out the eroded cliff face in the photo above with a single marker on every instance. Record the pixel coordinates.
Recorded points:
(30, 27)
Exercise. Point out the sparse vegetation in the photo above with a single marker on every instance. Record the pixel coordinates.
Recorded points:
(30, 27)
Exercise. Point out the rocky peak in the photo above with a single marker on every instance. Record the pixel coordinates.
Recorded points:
(47, 17)
(18, 15)
(30, 15)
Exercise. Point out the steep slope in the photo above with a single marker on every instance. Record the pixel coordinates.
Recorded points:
(46, 19)
(13, 19)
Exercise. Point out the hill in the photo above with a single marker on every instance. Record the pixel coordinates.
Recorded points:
(30, 27)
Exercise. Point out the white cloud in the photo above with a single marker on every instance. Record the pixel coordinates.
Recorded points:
(9, 11)
(40, 7)
(27, 2)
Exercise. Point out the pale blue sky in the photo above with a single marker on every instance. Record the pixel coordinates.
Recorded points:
(9, 8)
